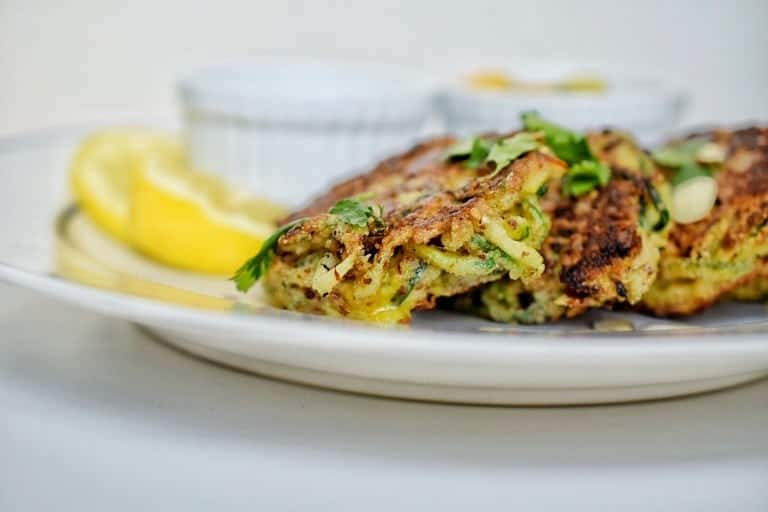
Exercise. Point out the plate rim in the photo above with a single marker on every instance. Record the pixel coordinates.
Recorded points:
(354, 335)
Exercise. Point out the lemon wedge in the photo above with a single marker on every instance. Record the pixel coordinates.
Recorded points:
(137, 186)
(102, 171)
(194, 221)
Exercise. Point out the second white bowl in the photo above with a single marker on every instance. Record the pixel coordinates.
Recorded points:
(646, 106)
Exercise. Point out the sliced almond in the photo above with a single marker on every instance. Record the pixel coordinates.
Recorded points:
(693, 199)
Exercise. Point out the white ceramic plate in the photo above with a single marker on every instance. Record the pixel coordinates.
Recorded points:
(47, 245)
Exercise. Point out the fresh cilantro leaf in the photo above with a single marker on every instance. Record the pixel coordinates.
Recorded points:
(507, 150)
(586, 172)
(678, 155)
(460, 150)
(477, 151)
(474, 151)
(353, 212)
(568, 145)
(253, 269)
(480, 151)
(689, 170)
(585, 176)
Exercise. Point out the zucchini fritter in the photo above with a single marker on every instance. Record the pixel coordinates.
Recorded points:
(603, 247)
(757, 286)
(433, 228)
(705, 260)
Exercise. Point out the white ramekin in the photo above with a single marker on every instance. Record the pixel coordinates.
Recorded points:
(648, 108)
(287, 128)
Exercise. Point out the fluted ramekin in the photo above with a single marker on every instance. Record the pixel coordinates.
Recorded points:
(287, 128)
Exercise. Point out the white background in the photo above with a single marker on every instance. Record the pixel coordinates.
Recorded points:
(95, 416)
(85, 60)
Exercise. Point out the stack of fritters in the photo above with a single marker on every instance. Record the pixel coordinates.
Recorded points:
(511, 238)
(728, 249)
(428, 228)
(602, 249)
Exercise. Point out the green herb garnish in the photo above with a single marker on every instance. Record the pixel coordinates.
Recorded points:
(689, 170)
(505, 151)
(568, 145)
(683, 158)
(586, 172)
(677, 156)
(473, 151)
(253, 269)
(353, 212)
(478, 151)
(585, 176)
(460, 150)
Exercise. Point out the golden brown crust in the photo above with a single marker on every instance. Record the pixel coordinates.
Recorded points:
(412, 170)
(597, 234)
(434, 208)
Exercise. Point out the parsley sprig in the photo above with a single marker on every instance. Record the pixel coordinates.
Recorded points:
(684, 158)
(506, 151)
(586, 172)
(688, 171)
(679, 155)
(480, 150)
(568, 145)
(354, 212)
(585, 176)
(472, 151)
(253, 269)
(477, 151)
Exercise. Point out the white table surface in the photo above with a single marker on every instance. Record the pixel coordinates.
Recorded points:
(94, 415)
